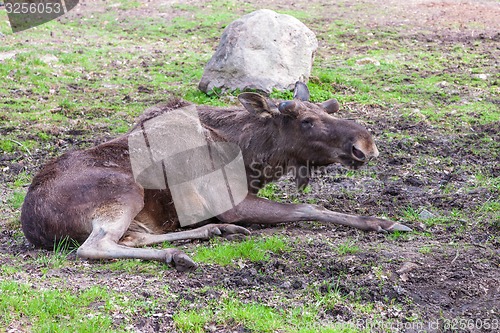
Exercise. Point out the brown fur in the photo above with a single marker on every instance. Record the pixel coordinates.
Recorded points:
(82, 192)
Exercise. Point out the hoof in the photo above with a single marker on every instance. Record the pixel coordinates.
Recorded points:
(399, 227)
(381, 225)
(181, 262)
(228, 231)
(231, 231)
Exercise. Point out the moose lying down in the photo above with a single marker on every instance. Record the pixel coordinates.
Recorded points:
(92, 197)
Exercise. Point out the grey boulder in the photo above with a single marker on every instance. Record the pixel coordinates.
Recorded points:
(263, 50)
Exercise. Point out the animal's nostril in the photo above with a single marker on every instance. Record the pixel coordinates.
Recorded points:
(358, 154)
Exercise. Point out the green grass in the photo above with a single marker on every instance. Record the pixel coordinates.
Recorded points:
(492, 183)
(399, 235)
(7, 270)
(16, 199)
(137, 266)
(253, 249)
(129, 4)
(58, 258)
(271, 191)
(425, 249)
(347, 247)
(7, 146)
(257, 317)
(410, 214)
(43, 310)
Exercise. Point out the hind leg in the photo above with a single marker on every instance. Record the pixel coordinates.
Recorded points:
(109, 224)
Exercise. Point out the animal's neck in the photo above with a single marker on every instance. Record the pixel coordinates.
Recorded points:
(259, 139)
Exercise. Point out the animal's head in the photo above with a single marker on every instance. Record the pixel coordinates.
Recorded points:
(312, 136)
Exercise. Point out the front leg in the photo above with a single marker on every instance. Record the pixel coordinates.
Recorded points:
(208, 231)
(259, 210)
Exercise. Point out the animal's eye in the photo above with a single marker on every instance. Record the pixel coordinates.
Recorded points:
(307, 123)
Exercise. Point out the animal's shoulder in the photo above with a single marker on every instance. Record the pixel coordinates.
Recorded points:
(159, 109)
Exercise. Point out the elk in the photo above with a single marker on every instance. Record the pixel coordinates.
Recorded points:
(92, 197)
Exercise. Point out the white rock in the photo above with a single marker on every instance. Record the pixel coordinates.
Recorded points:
(442, 84)
(480, 76)
(368, 61)
(262, 50)
(425, 214)
(7, 55)
(49, 58)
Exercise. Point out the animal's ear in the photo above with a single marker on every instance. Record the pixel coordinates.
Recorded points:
(301, 92)
(331, 106)
(256, 104)
(289, 108)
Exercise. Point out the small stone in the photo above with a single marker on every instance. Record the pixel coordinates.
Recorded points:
(368, 61)
(425, 214)
(442, 84)
(407, 267)
(480, 76)
(286, 285)
(420, 226)
(7, 55)
(49, 58)
(297, 284)
(399, 290)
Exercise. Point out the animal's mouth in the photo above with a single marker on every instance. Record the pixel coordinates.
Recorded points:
(351, 163)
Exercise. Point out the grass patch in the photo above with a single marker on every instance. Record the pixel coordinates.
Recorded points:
(7, 146)
(256, 317)
(426, 249)
(271, 191)
(16, 199)
(473, 113)
(55, 310)
(348, 247)
(399, 235)
(253, 249)
(59, 256)
(134, 266)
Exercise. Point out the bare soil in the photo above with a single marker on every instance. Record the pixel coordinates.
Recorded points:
(459, 277)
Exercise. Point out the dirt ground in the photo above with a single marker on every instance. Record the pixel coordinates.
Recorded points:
(458, 278)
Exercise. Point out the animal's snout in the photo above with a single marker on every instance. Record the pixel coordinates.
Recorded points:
(364, 152)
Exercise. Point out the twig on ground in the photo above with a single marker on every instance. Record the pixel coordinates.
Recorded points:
(23, 146)
(456, 256)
